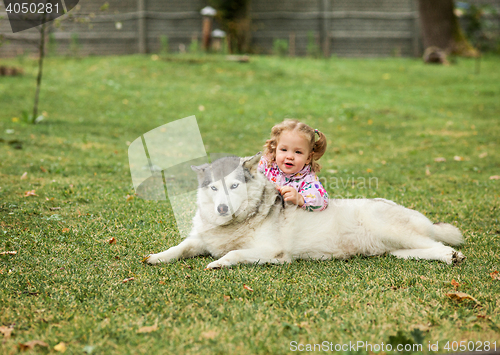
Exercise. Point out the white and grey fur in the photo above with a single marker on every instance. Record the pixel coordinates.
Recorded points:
(255, 226)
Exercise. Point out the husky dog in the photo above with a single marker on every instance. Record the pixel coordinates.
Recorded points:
(241, 218)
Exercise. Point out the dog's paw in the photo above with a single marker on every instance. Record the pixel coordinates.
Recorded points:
(151, 259)
(454, 257)
(457, 258)
(217, 264)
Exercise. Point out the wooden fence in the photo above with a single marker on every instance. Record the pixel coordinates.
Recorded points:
(330, 27)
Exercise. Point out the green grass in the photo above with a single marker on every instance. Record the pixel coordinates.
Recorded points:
(385, 119)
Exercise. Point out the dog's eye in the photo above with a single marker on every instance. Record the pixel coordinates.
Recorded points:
(213, 188)
(233, 186)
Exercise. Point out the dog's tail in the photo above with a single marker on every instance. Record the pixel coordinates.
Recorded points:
(444, 232)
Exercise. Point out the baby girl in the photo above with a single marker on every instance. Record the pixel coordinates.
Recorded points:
(289, 161)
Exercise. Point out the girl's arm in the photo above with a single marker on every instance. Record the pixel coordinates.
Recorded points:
(315, 196)
(263, 166)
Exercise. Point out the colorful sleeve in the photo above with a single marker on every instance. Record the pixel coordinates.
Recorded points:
(266, 168)
(263, 166)
(315, 196)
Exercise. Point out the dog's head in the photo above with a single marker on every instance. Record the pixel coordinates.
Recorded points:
(222, 190)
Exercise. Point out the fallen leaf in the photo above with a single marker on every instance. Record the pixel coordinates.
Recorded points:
(247, 287)
(483, 155)
(211, 334)
(24, 176)
(30, 193)
(6, 331)
(460, 296)
(227, 298)
(130, 197)
(61, 347)
(112, 240)
(128, 279)
(31, 344)
(43, 169)
(439, 160)
(458, 158)
(495, 275)
(148, 329)
(8, 252)
(455, 284)
(495, 177)
(65, 230)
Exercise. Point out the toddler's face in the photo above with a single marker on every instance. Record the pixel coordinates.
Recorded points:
(292, 152)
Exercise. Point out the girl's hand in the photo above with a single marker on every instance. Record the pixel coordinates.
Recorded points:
(291, 195)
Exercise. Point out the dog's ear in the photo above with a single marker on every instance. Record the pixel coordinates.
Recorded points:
(200, 171)
(251, 163)
(199, 167)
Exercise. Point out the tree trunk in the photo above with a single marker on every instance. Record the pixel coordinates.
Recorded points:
(436, 19)
(41, 56)
(440, 27)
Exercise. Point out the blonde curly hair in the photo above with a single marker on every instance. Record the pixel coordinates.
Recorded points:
(316, 147)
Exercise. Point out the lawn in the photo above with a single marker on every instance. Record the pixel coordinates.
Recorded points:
(423, 136)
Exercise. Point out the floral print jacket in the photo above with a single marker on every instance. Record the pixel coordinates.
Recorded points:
(305, 182)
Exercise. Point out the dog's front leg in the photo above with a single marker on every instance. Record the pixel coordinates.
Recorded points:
(251, 256)
(190, 247)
